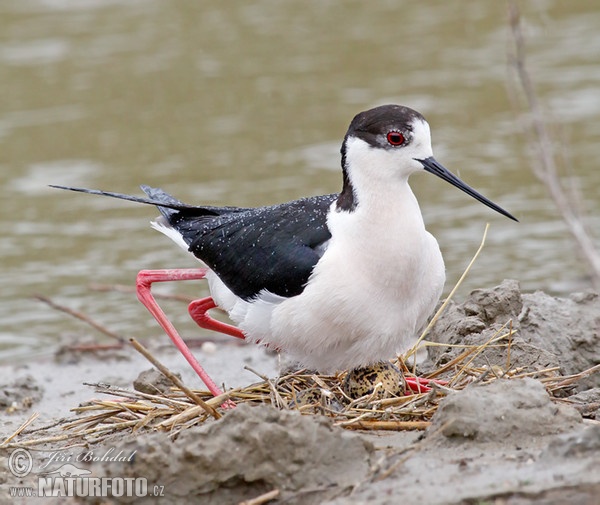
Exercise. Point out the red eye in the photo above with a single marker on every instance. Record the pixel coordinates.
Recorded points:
(395, 138)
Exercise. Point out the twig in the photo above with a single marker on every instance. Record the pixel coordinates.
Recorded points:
(32, 418)
(258, 374)
(544, 167)
(459, 282)
(509, 345)
(69, 436)
(263, 498)
(572, 379)
(120, 288)
(174, 379)
(93, 347)
(492, 340)
(458, 359)
(81, 316)
(387, 425)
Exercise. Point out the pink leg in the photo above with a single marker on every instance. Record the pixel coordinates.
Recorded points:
(145, 279)
(198, 310)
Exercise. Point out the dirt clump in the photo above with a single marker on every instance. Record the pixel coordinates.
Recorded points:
(503, 410)
(250, 451)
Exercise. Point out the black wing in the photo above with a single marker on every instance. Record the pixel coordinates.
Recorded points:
(273, 248)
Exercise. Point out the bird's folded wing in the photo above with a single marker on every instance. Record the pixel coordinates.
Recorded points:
(267, 248)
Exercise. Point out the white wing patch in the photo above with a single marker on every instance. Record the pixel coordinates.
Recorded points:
(163, 226)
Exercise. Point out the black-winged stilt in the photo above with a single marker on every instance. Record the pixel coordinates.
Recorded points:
(337, 281)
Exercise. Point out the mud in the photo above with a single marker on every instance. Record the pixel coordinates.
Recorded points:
(507, 442)
(547, 331)
(20, 394)
(248, 452)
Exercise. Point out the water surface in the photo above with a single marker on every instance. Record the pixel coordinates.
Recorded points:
(247, 104)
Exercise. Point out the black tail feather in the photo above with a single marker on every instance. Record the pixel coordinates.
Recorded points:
(157, 197)
(162, 200)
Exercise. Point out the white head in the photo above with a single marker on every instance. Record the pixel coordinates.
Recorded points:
(383, 146)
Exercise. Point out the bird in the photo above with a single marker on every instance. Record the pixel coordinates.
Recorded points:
(337, 281)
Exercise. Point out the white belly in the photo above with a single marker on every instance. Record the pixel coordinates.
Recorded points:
(365, 302)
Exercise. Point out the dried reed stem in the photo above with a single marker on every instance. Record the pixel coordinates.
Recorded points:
(544, 166)
(81, 316)
(174, 379)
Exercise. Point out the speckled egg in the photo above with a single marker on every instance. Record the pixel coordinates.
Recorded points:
(310, 396)
(362, 381)
(313, 400)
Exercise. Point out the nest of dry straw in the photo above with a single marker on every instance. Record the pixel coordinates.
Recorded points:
(125, 411)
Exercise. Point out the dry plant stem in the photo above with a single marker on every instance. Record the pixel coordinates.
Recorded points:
(510, 334)
(572, 379)
(183, 417)
(192, 412)
(134, 395)
(544, 167)
(81, 316)
(93, 347)
(451, 363)
(493, 339)
(24, 426)
(384, 475)
(388, 425)
(262, 499)
(174, 379)
(259, 375)
(70, 436)
(519, 374)
(440, 311)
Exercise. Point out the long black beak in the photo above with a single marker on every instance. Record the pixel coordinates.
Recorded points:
(435, 168)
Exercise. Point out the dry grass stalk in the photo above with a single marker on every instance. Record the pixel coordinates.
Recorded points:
(440, 311)
(262, 499)
(388, 425)
(21, 428)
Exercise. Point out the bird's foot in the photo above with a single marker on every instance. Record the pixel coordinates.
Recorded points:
(421, 384)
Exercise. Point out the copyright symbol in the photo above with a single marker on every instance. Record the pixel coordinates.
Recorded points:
(20, 462)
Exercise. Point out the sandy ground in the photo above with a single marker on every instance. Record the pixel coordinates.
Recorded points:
(507, 442)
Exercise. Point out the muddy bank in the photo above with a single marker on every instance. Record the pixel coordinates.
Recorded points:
(486, 441)
(507, 441)
(546, 331)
